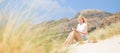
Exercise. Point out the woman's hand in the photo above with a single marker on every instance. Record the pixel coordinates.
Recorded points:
(83, 33)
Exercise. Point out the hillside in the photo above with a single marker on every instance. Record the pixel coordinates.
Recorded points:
(96, 19)
(55, 31)
(93, 13)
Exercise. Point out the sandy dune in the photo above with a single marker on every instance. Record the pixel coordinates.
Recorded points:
(111, 45)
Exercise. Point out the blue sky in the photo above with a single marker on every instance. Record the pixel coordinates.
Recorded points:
(105, 5)
(41, 10)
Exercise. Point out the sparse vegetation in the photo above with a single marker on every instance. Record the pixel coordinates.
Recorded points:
(106, 32)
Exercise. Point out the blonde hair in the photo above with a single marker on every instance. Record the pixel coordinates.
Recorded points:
(83, 18)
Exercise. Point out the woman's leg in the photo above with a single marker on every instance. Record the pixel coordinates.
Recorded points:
(73, 35)
(69, 38)
(78, 37)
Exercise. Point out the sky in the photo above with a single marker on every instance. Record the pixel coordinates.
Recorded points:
(42, 10)
(105, 5)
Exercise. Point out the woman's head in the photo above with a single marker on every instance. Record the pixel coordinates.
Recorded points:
(81, 19)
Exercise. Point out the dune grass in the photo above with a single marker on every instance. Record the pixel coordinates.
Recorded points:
(104, 33)
(21, 38)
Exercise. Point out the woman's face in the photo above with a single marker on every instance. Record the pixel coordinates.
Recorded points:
(80, 20)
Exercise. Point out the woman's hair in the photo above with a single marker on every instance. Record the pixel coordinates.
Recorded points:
(83, 18)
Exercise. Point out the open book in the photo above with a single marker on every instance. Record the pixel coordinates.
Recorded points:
(73, 29)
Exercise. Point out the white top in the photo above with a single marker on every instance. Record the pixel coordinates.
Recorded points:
(81, 27)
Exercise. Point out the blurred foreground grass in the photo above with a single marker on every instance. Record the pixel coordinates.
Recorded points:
(21, 38)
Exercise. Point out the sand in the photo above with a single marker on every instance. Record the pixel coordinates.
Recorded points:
(111, 45)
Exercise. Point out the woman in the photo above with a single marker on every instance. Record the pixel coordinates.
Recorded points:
(80, 33)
